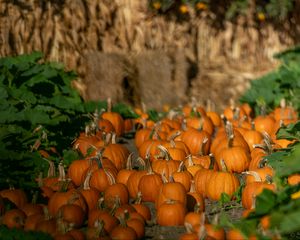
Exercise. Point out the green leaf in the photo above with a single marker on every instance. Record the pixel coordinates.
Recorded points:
(265, 202)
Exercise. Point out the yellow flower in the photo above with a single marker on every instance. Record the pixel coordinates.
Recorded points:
(183, 8)
(261, 16)
(295, 195)
(157, 5)
(201, 6)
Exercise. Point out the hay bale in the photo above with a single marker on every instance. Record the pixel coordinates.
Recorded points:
(159, 80)
(104, 76)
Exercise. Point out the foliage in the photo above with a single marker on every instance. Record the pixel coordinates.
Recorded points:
(39, 110)
(19, 234)
(281, 83)
(277, 10)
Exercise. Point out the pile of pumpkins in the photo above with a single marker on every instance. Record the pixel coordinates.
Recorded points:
(188, 156)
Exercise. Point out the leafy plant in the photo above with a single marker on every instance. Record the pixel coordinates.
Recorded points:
(18, 234)
(39, 109)
(281, 83)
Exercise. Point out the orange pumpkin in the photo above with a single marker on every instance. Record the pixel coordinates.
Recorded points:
(171, 213)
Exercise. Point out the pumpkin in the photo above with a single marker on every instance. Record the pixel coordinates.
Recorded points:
(294, 179)
(264, 173)
(202, 177)
(253, 189)
(72, 214)
(195, 217)
(32, 220)
(117, 153)
(141, 136)
(123, 233)
(193, 139)
(149, 185)
(58, 199)
(183, 176)
(265, 123)
(115, 118)
(221, 182)
(103, 215)
(189, 234)
(14, 218)
(236, 158)
(91, 195)
(170, 190)
(171, 213)
(133, 182)
(194, 199)
(47, 226)
(115, 191)
(77, 170)
(16, 196)
(124, 174)
(137, 226)
(164, 163)
(142, 209)
(32, 208)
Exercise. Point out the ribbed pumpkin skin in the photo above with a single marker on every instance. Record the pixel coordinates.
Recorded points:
(237, 159)
(221, 182)
(202, 177)
(149, 186)
(171, 214)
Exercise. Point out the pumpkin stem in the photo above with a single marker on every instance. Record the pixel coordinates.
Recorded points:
(46, 213)
(116, 205)
(202, 232)
(202, 147)
(86, 182)
(183, 125)
(129, 161)
(114, 138)
(181, 167)
(223, 166)
(144, 108)
(283, 103)
(212, 161)
(100, 203)
(142, 162)
(229, 129)
(51, 169)
(256, 176)
(99, 225)
(190, 160)
(230, 141)
(109, 104)
(165, 151)
(61, 170)
(138, 199)
(193, 187)
(174, 135)
(224, 120)
(188, 227)
(164, 177)
(110, 177)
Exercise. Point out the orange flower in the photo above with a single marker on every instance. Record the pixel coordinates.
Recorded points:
(183, 9)
(157, 5)
(261, 16)
(201, 6)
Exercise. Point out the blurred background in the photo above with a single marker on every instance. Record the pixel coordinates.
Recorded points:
(159, 52)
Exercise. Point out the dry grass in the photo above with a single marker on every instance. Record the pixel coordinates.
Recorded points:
(71, 31)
